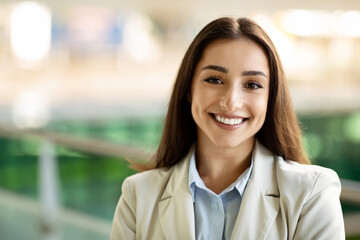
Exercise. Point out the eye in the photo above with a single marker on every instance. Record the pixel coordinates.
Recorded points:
(253, 85)
(214, 80)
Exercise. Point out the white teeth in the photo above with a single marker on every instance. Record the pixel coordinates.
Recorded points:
(229, 121)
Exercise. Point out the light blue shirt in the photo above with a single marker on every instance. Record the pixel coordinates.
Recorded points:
(215, 215)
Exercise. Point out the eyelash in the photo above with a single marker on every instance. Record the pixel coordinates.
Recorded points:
(254, 85)
(212, 80)
(217, 80)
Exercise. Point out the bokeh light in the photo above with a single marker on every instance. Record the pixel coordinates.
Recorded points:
(30, 31)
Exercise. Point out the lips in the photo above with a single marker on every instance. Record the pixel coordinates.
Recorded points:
(229, 120)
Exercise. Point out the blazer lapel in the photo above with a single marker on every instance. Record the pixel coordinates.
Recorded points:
(176, 210)
(260, 203)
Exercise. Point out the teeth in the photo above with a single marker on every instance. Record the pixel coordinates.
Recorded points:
(229, 121)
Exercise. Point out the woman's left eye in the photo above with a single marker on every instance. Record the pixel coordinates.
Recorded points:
(252, 85)
(214, 80)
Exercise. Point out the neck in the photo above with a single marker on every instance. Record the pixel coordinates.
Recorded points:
(220, 166)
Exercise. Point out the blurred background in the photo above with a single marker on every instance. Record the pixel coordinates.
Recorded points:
(84, 85)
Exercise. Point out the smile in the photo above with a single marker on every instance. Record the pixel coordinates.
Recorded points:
(228, 121)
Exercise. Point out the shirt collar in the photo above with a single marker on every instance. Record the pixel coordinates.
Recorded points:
(194, 177)
(196, 181)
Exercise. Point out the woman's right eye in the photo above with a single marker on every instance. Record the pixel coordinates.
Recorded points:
(214, 80)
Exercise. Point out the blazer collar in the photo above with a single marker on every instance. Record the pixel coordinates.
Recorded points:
(258, 210)
(176, 208)
(260, 203)
(264, 171)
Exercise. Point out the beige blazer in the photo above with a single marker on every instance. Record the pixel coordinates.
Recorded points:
(282, 200)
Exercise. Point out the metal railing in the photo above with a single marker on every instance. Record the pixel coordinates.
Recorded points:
(81, 144)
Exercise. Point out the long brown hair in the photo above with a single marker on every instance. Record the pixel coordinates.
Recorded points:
(280, 133)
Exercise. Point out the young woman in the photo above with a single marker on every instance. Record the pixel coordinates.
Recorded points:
(230, 164)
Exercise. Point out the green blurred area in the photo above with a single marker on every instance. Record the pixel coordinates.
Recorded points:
(334, 142)
(92, 184)
(88, 183)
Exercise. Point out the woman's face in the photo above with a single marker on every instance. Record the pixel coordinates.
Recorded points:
(229, 92)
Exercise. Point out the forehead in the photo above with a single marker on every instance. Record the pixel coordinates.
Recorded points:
(242, 53)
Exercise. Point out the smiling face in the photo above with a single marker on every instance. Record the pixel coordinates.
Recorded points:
(229, 92)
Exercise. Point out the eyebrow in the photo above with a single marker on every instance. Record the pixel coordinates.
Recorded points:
(253, 73)
(216, 68)
(224, 70)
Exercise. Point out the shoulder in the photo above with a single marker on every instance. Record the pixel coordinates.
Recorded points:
(137, 204)
(309, 196)
(307, 180)
(149, 180)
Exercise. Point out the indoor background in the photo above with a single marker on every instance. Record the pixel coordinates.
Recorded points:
(84, 85)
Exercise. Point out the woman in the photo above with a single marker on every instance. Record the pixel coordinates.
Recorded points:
(230, 164)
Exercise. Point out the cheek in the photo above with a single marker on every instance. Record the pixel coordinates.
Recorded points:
(202, 98)
(196, 104)
(260, 106)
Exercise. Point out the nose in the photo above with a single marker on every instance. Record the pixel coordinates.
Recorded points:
(232, 99)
